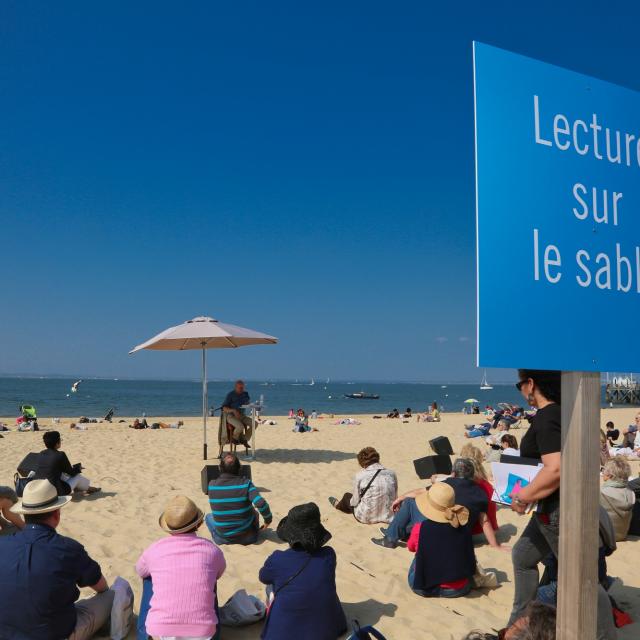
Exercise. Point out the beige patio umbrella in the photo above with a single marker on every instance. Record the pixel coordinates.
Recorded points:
(204, 333)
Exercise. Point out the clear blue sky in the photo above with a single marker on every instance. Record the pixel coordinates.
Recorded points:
(302, 170)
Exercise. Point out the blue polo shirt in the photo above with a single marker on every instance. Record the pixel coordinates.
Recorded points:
(40, 572)
(236, 400)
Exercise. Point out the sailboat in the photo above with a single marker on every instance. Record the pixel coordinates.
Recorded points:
(484, 385)
(312, 382)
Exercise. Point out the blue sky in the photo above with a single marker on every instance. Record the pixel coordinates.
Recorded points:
(305, 170)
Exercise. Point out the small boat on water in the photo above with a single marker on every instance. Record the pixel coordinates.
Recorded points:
(361, 395)
(484, 385)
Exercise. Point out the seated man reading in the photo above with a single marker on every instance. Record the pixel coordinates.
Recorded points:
(235, 416)
(54, 466)
(235, 504)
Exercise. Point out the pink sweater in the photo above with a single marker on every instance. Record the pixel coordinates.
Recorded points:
(184, 570)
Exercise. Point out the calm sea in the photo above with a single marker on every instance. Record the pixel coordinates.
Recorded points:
(53, 397)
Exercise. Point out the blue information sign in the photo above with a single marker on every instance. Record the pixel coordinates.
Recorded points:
(558, 217)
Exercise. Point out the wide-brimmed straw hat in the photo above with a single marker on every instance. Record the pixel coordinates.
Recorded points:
(438, 504)
(40, 496)
(302, 527)
(180, 515)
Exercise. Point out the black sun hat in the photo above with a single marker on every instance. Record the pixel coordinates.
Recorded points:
(302, 527)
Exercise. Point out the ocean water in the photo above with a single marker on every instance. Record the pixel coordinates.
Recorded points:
(53, 396)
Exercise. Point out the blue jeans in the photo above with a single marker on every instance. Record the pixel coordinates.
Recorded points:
(407, 516)
(145, 606)
(548, 594)
(479, 432)
(436, 592)
(249, 537)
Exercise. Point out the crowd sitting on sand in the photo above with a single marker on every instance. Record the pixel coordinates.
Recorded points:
(440, 522)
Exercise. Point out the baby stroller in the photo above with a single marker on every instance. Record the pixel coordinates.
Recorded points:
(29, 416)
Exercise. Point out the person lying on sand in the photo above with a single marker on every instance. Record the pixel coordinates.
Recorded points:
(139, 424)
(170, 425)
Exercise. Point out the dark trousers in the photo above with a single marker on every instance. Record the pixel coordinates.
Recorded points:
(537, 541)
(437, 591)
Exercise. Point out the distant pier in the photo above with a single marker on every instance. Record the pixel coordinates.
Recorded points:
(623, 391)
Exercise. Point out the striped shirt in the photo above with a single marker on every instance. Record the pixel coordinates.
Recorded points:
(233, 501)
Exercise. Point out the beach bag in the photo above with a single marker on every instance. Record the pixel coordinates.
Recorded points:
(242, 609)
(364, 633)
(122, 609)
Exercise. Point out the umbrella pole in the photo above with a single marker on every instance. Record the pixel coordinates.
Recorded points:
(204, 399)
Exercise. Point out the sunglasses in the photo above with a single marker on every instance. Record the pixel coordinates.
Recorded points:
(520, 384)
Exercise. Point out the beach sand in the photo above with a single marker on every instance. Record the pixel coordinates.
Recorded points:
(140, 470)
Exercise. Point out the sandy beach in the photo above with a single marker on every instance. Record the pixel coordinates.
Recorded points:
(140, 470)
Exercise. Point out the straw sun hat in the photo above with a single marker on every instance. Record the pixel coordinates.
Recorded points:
(180, 515)
(438, 505)
(40, 496)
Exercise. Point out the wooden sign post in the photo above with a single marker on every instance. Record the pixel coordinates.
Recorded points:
(579, 506)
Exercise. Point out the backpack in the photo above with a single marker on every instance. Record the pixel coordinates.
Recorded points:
(20, 482)
(364, 633)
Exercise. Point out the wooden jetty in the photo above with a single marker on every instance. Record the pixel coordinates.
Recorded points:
(622, 390)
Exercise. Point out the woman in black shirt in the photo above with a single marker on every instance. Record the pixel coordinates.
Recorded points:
(542, 441)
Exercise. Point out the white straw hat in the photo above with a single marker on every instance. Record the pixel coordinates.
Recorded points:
(40, 496)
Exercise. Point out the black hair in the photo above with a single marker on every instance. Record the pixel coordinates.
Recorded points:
(609, 425)
(229, 463)
(547, 381)
(51, 439)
